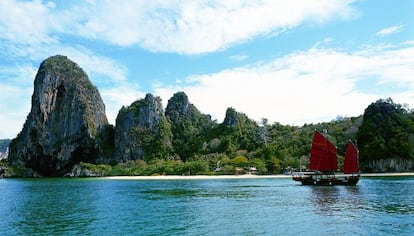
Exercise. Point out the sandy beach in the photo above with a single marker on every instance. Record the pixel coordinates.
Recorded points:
(212, 177)
(190, 177)
(387, 174)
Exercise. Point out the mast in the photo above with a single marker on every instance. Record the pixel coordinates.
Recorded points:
(323, 154)
(351, 159)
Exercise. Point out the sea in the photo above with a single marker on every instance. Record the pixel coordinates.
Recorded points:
(94, 206)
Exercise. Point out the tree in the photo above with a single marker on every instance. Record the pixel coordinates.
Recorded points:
(274, 166)
(240, 161)
(386, 132)
(188, 125)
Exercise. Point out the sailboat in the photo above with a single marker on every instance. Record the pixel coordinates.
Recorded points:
(324, 163)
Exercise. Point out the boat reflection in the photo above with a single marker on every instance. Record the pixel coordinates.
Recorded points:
(325, 199)
(332, 200)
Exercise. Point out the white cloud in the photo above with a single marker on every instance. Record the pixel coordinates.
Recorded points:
(308, 86)
(390, 30)
(116, 97)
(301, 87)
(194, 27)
(94, 64)
(186, 27)
(25, 21)
(14, 107)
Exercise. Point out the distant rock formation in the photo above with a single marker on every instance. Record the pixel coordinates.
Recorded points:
(244, 130)
(390, 165)
(142, 131)
(65, 123)
(188, 125)
(234, 119)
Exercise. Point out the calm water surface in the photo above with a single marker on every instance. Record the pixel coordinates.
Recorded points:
(376, 206)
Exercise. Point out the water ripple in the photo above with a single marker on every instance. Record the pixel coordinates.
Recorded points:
(376, 206)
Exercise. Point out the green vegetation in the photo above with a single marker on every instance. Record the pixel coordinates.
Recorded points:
(387, 131)
(148, 130)
(201, 146)
(157, 167)
(187, 142)
(12, 170)
(190, 128)
(63, 66)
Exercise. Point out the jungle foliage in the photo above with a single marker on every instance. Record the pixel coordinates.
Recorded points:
(203, 146)
(387, 131)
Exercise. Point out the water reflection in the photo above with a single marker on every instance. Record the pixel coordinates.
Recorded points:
(391, 195)
(325, 198)
(219, 207)
(50, 211)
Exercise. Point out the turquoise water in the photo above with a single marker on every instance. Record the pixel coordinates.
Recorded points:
(376, 206)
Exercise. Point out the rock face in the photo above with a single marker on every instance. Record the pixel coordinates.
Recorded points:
(188, 125)
(244, 130)
(233, 119)
(142, 131)
(236, 120)
(65, 121)
(390, 165)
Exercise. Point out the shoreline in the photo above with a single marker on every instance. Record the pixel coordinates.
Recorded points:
(195, 177)
(247, 176)
(386, 174)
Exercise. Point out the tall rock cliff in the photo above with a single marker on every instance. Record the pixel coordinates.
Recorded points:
(189, 126)
(142, 131)
(243, 131)
(386, 137)
(65, 121)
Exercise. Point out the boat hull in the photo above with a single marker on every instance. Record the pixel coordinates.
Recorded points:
(326, 179)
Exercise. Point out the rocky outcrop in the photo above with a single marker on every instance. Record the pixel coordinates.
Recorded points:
(4, 148)
(79, 171)
(65, 123)
(390, 165)
(142, 131)
(233, 119)
(189, 126)
(245, 131)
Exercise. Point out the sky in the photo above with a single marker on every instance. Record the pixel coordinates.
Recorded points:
(292, 62)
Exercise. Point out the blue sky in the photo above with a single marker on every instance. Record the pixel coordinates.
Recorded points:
(292, 62)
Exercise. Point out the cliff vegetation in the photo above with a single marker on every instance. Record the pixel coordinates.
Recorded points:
(67, 133)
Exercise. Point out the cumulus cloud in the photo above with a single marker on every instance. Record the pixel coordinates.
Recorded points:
(26, 21)
(309, 86)
(185, 27)
(14, 107)
(118, 96)
(193, 27)
(301, 87)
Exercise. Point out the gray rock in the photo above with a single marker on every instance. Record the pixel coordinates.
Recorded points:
(234, 119)
(391, 165)
(188, 125)
(142, 131)
(65, 121)
(78, 171)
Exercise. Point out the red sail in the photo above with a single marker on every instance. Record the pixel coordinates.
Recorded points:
(323, 154)
(351, 159)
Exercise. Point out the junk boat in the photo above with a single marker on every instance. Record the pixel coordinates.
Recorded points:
(324, 163)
